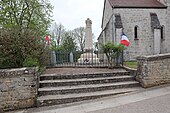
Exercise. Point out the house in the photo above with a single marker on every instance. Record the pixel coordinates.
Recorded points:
(146, 23)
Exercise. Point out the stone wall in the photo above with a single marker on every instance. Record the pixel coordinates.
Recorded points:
(132, 17)
(107, 14)
(18, 88)
(168, 26)
(153, 70)
(141, 18)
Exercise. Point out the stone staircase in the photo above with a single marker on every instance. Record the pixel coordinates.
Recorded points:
(61, 89)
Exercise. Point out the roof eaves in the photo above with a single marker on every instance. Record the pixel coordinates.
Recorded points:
(165, 7)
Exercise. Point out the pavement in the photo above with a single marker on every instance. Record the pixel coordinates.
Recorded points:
(151, 100)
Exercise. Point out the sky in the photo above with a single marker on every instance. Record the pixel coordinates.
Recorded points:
(73, 13)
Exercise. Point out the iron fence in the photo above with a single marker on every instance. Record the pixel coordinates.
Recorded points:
(89, 59)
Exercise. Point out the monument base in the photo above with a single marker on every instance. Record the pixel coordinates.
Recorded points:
(88, 58)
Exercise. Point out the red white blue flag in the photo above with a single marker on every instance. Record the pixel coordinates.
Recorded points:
(125, 40)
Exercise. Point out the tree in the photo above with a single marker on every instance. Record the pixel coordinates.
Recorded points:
(112, 51)
(22, 25)
(17, 52)
(30, 14)
(57, 32)
(79, 35)
(69, 44)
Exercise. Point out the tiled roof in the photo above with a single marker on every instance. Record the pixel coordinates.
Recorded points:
(136, 3)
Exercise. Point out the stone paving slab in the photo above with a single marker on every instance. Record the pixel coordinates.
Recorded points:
(106, 92)
(75, 71)
(84, 79)
(87, 86)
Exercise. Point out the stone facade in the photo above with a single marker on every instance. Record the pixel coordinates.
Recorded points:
(107, 14)
(153, 70)
(144, 44)
(168, 26)
(18, 88)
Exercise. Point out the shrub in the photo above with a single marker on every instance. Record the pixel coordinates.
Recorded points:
(112, 51)
(17, 45)
(30, 62)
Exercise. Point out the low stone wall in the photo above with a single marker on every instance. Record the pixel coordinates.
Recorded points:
(18, 88)
(153, 70)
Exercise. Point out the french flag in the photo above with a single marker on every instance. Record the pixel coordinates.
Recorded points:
(124, 40)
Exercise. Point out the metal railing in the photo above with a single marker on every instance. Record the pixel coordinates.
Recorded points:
(90, 59)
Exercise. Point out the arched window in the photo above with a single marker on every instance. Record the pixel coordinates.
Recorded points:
(136, 33)
(162, 32)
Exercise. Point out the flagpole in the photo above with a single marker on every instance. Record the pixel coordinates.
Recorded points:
(125, 42)
(122, 58)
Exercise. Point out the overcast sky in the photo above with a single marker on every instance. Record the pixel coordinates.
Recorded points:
(73, 13)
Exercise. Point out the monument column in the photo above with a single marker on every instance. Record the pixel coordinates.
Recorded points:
(88, 36)
(88, 57)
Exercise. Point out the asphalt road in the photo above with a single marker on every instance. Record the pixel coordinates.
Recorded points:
(159, 104)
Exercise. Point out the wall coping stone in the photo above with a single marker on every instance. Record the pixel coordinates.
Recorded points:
(154, 57)
(18, 71)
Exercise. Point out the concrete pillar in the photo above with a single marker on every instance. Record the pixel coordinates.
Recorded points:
(118, 35)
(157, 41)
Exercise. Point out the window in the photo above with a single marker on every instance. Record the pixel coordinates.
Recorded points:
(162, 33)
(136, 33)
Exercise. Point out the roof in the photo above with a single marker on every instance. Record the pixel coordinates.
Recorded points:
(136, 4)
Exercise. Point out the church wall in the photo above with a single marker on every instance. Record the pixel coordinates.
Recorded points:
(167, 38)
(118, 32)
(140, 18)
(109, 31)
(107, 15)
(100, 42)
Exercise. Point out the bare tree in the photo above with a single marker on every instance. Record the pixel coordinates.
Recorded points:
(57, 32)
(79, 35)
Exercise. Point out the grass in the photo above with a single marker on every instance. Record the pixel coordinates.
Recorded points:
(131, 64)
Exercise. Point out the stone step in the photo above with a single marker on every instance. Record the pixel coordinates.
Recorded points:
(85, 88)
(69, 98)
(83, 81)
(76, 76)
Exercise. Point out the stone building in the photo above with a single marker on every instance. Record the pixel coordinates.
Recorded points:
(145, 22)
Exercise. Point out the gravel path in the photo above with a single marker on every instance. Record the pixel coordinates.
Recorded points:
(80, 70)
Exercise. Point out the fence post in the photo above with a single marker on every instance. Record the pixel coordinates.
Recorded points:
(53, 58)
(119, 60)
(122, 59)
(71, 57)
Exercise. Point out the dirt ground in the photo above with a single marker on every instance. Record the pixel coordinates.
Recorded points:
(80, 70)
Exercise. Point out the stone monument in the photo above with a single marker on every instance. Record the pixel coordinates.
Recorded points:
(88, 57)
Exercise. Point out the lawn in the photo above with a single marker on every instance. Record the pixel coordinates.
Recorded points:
(131, 64)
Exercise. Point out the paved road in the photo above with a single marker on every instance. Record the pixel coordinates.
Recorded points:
(154, 100)
(159, 104)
